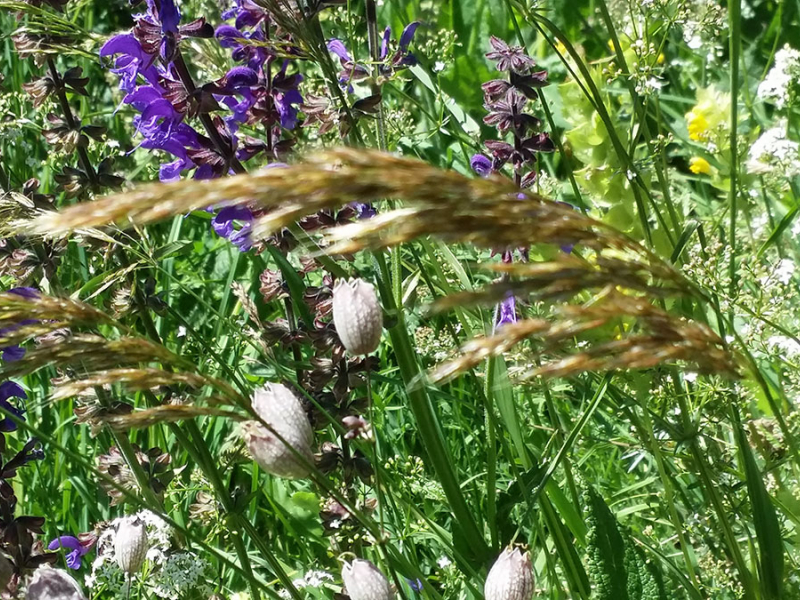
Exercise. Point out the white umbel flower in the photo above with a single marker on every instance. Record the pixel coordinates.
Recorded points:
(53, 584)
(511, 577)
(281, 410)
(364, 581)
(357, 316)
(130, 545)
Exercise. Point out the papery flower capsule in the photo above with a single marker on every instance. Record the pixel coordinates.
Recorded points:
(357, 316)
(130, 545)
(53, 584)
(364, 581)
(277, 405)
(511, 577)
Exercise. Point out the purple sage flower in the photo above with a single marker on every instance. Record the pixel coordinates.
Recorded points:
(78, 548)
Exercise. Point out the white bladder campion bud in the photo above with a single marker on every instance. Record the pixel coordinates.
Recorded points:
(364, 581)
(511, 577)
(53, 584)
(277, 405)
(357, 316)
(130, 545)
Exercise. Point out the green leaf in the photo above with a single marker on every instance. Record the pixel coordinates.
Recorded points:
(768, 531)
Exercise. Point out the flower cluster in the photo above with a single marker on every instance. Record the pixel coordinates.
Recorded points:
(780, 85)
(506, 101)
(774, 154)
(260, 92)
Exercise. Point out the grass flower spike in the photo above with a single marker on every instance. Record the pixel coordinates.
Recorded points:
(357, 316)
(280, 409)
(364, 581)
(511, 577)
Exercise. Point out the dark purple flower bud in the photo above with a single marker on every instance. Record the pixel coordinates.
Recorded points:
(169, 16)
(8, 390)
(387, 35)
(481, 165)
(407, 36)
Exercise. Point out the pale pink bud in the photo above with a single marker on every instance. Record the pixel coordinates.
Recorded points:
(53, 584)
(357, 316)
(130, 545)
(281, 410)
(364, 581)
(511, 577)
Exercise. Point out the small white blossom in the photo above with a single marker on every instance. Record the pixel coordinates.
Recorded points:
(773, 153)
(784, 74)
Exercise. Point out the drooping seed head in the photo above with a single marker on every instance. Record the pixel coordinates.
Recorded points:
(357, 316)
(130, 545)
(364, 581)
(53, 584)
(277, 405)
(511, 577)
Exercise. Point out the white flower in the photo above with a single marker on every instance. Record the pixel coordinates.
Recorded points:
(786, 345)
(777, 85)
(438, 66)
(784, 271)
(444, 562)
(773, 153)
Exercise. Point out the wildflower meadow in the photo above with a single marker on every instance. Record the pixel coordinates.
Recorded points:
(399, 299)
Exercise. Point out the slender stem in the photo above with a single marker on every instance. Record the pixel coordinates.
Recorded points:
(734, 12)
(61, 93)
(375, 54)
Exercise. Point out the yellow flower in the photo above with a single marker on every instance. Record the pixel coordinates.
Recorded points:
(660, 60)
(710, 116)
(699, 165)
(698, 126)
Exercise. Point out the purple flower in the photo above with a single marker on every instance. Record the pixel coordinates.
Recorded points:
(506, 311)
(131, 61)
(78, 549)
(415, 584)
(15, 353)
(247, 13)
(8, 390)
(509, 58)
(481, 165)
(255, 57)
(224, 224)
